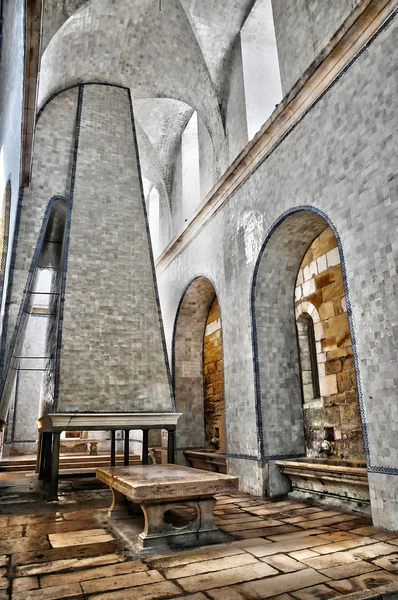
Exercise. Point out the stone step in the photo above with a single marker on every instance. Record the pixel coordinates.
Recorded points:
(66, 462)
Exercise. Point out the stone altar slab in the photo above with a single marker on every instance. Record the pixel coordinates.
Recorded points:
(177, 502)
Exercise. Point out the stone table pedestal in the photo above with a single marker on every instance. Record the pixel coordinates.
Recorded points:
(177, 502)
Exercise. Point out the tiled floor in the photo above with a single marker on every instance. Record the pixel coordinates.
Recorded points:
(281, 550)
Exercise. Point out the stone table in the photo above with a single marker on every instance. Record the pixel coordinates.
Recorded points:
(177, 502)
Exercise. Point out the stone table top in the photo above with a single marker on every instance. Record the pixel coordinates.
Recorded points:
(159, 482)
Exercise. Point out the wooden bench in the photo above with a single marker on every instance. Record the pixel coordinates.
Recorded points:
(177, 502)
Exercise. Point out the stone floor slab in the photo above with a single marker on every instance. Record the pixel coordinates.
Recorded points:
(123, 568)
(155, 591)
(199, 583)
(63, 565)
(284, 563)
(209, 566)
(367, 581)
(54, 593)
(317, 592)
(269, 588)
(121, 581)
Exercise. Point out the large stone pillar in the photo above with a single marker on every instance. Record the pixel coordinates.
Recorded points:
(105, 338)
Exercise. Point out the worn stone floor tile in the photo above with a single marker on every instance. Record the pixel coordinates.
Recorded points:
(323, 514)
(296, 534)
(72, 563)
(356, 543)
(60, 527)
(354, 524)
(344, 545)
(330, 560)
(303, 554)
(4, 521)
(339, 536)
(285, 547)
(298, 516)
(23, 545)
(78, 534)
(331, 548)
(207, 581)
(264, 531)
(283, 597)
(155, 591)
(198, 596)
(367, 581)
(251, 542)
(284, 563)
(78, 515)
(328, 521)
(349, 570)
(3, 583)
(8, 533)
(270, 587)
(369, 530)
(55, 593)
(223, 503)
(317, 592)
(121, 581)
(79, 541)
(25, 583)
(373, 550)
(98, 573)
(258, 524)
(180, 559)
(233, 515)
(239, 519)
(208, 566)
(25, 558)
(35, 519)
(386, 536)
(389, 562)
(269, 510)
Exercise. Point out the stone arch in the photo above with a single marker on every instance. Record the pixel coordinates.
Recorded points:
(155, 74)
(187, 353)
(276, 361)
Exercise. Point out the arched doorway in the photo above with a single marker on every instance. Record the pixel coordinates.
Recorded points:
(197, 376)
(279, 378)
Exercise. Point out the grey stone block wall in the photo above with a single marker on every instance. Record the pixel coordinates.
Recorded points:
(340, 159)
(11, 105)
(303, 28)
(51, 168)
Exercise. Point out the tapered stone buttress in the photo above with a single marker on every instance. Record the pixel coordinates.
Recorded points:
(105, 340)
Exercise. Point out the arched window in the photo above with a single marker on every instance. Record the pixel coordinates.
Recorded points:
(308, 357)
(190, 168)
(261, 76)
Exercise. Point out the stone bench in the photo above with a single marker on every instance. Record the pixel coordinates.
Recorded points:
(177, 502)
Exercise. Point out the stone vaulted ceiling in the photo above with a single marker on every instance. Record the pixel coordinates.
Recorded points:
(174, 61)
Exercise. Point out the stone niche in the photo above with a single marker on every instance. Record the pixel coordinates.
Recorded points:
(331, 409)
